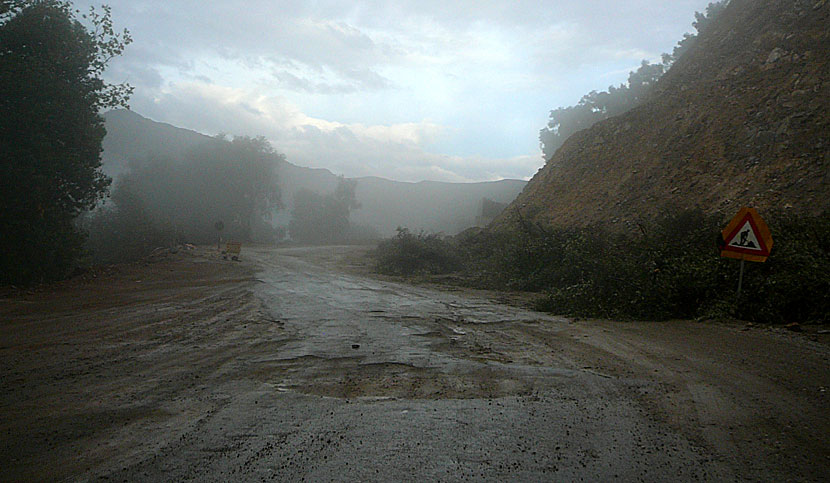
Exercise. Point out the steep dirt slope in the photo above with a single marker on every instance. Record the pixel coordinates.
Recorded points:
(742, 119)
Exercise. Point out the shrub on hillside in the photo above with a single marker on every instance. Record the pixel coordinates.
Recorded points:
(669, 268)
(794, 283)
(674, 271)
(410, 254)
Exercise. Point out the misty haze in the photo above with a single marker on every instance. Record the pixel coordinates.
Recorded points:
(415, 241)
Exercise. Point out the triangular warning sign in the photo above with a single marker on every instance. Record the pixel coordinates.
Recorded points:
(747, 237)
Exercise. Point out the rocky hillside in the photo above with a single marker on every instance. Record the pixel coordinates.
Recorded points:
(743, 118)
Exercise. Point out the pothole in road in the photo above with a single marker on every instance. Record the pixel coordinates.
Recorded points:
(402, 381)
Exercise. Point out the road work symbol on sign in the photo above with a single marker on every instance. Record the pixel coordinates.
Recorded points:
(747, 237)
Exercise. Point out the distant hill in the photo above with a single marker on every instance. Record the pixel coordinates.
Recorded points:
(743, 118)
(131, 136)
(386, 204)
(428, 205)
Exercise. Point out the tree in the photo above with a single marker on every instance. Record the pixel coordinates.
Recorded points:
(234, 181)
(323, 219)
(701, 23)
(51, 131)
(598, 106)
(162, 200)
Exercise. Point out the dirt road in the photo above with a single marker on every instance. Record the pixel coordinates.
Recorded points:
(296, 365)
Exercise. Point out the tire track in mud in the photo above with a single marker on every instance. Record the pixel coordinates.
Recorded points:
(104, 371)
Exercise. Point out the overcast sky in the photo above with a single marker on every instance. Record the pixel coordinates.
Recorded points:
(408, 90)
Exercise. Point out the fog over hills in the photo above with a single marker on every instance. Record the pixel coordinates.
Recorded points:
(743, 118)
(385, 204)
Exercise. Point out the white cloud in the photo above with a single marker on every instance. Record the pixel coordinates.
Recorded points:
(443, 90)
(397, 151)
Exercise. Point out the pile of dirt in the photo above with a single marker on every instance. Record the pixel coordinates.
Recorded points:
(742, 119)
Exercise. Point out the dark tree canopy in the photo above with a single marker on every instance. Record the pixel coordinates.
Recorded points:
(320, 218)
(161, 200)
(50, 131)
(233, 180)
(597, 106)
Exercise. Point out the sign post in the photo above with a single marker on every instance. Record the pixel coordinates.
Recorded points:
(741, 277)
(746, 238)
(219, 226)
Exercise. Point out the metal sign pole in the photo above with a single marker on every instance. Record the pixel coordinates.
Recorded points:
(741, 278)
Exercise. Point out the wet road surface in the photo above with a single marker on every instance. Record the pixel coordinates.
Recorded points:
(323, 375)
(408, 393)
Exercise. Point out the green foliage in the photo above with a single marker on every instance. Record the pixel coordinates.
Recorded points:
(124, 230)
(670, 268)
(320, 218)
(161, 201)
(793, 285)
(49, 250)
(598, 106)
(675, 271)
(232, 181)
(50, 132)
(409, 254)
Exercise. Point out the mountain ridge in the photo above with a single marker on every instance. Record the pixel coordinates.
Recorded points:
(433, 206)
